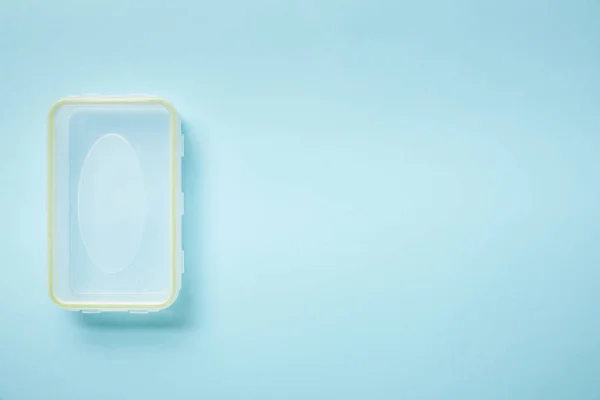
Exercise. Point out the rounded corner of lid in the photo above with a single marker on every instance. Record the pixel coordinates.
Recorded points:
(169, 302)
(167, 105)
(55, 107)
(56, 300)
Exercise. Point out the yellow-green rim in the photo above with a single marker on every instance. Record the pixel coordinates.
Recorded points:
(174, 166)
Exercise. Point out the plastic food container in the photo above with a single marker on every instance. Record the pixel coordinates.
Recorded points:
(115, 204)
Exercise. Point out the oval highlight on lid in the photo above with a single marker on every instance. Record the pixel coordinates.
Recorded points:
(112, 206)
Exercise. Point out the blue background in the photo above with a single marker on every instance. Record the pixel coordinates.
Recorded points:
(384, 199)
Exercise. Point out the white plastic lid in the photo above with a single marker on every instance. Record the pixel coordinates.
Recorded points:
(115, 204)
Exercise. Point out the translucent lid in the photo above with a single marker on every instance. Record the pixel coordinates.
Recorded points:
(115, 204)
